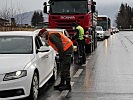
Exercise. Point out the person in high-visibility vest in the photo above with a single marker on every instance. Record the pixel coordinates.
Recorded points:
(79, 36)
(64, 46)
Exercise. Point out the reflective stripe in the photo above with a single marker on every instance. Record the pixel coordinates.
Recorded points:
(63, 39)
(66, 43)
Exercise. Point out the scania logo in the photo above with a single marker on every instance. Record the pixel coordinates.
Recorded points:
(67, 17)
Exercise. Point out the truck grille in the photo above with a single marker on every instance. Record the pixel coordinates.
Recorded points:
(64, 24)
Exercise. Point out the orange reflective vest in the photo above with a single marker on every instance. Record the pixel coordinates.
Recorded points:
(65, 41)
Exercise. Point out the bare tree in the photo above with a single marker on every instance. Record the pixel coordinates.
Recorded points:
(21, 16)
(7, 13)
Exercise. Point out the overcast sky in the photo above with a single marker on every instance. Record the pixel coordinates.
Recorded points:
(106, 7)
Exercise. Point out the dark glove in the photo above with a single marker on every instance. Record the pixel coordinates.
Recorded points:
(72, 38)
(60, 58)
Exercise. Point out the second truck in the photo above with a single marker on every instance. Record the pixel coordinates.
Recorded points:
(62, 13)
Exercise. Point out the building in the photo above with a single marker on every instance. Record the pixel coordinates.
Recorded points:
(4, 22)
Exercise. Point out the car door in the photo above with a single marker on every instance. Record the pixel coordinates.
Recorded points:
(43, 61)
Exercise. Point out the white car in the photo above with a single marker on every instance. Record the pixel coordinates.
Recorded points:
(26, 64)
(100, 33)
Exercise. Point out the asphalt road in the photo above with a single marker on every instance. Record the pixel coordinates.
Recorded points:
(108, 74)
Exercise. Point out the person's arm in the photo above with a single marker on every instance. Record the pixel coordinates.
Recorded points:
(77, 34)
(55, 39)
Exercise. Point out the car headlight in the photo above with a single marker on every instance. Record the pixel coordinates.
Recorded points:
(15, 75)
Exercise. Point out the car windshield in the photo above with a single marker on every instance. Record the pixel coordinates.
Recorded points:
(98, 28)
(16, 45)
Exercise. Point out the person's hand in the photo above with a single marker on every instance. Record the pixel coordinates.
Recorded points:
(60, 58)
(72, 38)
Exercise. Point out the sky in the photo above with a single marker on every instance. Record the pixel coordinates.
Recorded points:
(104, 7)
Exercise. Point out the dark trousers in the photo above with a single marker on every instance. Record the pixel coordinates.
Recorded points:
(65, 64)
(81, 50)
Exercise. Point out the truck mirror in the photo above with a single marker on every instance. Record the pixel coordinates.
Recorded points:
(45, 7)
(93, 8)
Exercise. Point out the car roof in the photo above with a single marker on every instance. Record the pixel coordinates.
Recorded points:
(50, 29)
(55, 29)
(18, 33)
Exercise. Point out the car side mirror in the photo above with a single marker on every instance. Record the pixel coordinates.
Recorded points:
(43, 49)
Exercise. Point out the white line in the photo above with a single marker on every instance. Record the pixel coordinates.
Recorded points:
(72, 65)
(89, 58)
(78, 73)
(72, 83)
(86, 62)
(65, 92)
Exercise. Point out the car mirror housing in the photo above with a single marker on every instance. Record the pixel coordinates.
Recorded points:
(43, 49)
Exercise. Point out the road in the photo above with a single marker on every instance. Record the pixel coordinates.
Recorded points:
(108, 74)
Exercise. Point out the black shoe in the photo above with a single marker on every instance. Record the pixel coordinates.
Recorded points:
(65, 87)
(58, 86)
(84, 62)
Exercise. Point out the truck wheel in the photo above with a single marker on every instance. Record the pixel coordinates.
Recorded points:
(88, 48)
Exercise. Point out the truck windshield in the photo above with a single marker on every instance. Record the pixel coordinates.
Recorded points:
(103, 24)
(68, 7)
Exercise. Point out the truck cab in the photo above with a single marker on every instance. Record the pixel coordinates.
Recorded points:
(62, 13)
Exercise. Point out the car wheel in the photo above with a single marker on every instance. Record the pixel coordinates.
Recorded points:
(55, 73)
(34, 88)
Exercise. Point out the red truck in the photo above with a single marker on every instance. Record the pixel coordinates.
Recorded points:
(62, 13)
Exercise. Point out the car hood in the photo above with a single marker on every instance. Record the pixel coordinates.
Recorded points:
(11, 63)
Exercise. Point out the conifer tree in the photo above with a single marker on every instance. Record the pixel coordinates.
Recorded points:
(124, 18)
(37, 18)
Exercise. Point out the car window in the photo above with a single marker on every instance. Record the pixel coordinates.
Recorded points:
(99, 28)
(40, 42)
(16, 45)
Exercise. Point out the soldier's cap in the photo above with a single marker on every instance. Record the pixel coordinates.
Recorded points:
(42, 31)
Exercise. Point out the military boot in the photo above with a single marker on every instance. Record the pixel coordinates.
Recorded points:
(67, 86)
(62, 83)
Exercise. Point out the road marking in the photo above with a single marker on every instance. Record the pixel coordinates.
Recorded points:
(86, 62)
(72, 65)
(78, 73)
(65, 92)
(89, 57)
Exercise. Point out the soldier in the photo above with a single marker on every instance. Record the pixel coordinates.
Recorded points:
(64, 46)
